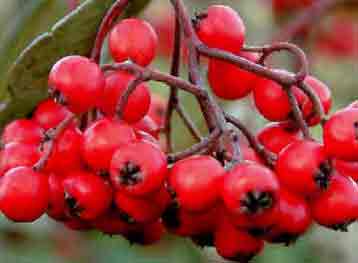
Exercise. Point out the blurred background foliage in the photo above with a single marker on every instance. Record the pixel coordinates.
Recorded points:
(334, 63)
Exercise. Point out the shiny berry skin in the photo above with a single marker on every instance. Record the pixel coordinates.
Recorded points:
(293, 221)
(249, 189)
(49, 114)
(324, 95)
(228, 81)
(276, 136)
(249, 154)
(56, 208)
(346, 168)
(111, 223)
(340, 135)
(157, 109)
(133, 39)
(221, 27)
(301, 167)
(143, 210)
(138, 102)
(186, 224)
(102, 139)
(23, 131)
(79, 81)
(18, 154)
(235, 244)
(24, 194)
(66, 154)
(147, 125)
(143, 136)
(138, 168)
(342, 198)
(197, 182)
(271, 100)
(87, 195)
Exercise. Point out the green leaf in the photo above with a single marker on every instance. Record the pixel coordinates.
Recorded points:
(26, 82)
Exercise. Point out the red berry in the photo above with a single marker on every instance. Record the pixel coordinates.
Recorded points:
(221, 27)
(57, 205)
(112, 223)
(229, 81)
(143, 210)
(87, 195)
(77, 224)
(340, 135)
(272, 101)
(276, 136)
(293, 221)
(133, 39)
(146, 234)
(18, 154)
(143, 136)
(324, 95)
(184, 223)
(66, 153)
(138, 168)
(346, 168)
(197, 182)
(148, 126)
(79, 81)
(23, 131)
(24, 194)
(302, 167)
(138, 102)
(158, 109)
(249, 154)
(337, 207)
(250, 189)
(283, 6)
(102, 139)
(49, 114)
(235, 244)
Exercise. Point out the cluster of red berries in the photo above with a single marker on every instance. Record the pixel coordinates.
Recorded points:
(111, 174)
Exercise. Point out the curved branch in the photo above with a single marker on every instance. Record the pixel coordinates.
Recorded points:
(107, 23)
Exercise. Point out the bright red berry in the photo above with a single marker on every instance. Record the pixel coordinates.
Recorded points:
(249, 189)
(24, 194)
(143, 210)
(57, 205)
(23, 131)
(272, 101)
(78, 82)
(112, 223)
(138, 168)
(148, 126)
(102, 139)
(18, 154)
(340, 135)
(221, 27)
(66, 153)
(197, 182)
(293, 221)
(49, 114)
(133, 39)
(302, 167)
(324, 95)
(229, 81)
(235, 244)
(87, 195)
(138, 102)
(276, 136)
(346, 168)
(146, 234)
(249, 154)
(337, 207)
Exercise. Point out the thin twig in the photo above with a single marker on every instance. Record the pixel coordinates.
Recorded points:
(196, 148)
(51, 137)
(188, 122)
(268, 156)
(107, 23)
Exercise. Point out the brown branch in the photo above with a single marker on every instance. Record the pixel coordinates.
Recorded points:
(305, 19)
(51, 136)
(268, 156)
(107, 23)
(196, 148)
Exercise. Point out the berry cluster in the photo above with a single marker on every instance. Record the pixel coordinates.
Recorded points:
(90, 156)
